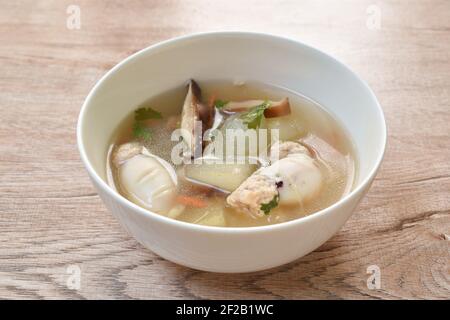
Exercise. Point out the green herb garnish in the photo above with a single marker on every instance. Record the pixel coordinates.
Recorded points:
(266, 207)
(253, 117)
(141, 131)
(142, 114)
(219, 104)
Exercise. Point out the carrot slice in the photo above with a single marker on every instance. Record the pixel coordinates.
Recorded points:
(191, 201)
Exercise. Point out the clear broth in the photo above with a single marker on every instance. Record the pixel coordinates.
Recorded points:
(315, 127)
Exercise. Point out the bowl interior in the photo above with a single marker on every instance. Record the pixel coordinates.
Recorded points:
(242, 56)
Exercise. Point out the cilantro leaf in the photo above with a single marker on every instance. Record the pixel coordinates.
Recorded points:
(142, 132)
(266, 207)
(219, 104)
(253, 117)
(142, 114)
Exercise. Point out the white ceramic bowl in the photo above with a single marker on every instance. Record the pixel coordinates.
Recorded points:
(231, 55)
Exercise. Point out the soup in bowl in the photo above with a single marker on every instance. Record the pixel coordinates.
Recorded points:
(231, 152)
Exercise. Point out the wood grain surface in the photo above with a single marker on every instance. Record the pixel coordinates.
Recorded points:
(51, 217)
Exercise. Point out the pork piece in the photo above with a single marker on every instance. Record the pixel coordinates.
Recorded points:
(252, 193)
(293, 179)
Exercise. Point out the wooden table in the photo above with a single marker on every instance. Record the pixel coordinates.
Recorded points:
(53, 224)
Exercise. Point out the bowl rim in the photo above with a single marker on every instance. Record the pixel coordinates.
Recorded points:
(214, 229)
